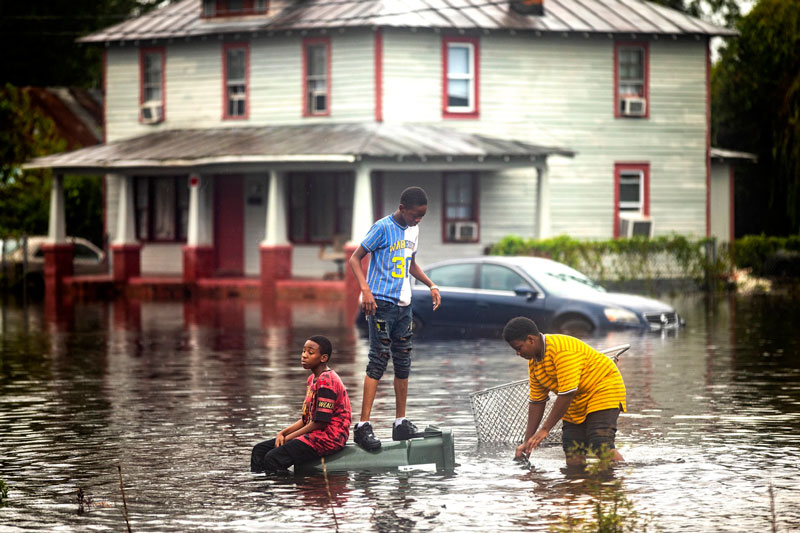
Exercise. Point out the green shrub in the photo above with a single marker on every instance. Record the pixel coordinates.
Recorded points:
(3, 490)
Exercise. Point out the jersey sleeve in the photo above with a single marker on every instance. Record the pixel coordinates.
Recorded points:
(376, 238)
(325, 401)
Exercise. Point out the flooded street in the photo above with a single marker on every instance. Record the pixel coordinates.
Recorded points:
(177, 394)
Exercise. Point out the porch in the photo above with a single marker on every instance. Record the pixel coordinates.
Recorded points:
(255, 212)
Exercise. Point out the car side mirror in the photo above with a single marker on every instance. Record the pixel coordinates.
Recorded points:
(527, 292)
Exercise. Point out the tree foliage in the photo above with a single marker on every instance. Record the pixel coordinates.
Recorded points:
(25, 133)
(756, 108)
(39, 45)
(721, 11)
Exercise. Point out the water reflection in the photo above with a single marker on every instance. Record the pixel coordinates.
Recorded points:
(177, 393)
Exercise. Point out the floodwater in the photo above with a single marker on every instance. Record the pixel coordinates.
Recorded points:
(177, 394)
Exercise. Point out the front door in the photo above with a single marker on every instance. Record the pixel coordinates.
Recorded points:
(229, 225)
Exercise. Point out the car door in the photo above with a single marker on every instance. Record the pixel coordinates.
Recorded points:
(456, 284)
(498, 302)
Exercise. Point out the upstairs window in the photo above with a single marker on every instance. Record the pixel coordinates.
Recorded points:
(235, 66)
(151, 85)
(631, 193)
(631, 73)
(231, 8)
(460, 77)
(316, 76)
(162, 208)
(460, 207)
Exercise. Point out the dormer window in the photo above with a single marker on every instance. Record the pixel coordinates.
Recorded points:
(233, 8)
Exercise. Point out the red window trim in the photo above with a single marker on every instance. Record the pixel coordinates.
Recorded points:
(618, 169)
(378, 51)
(152, 50)
(310, 41)
(646, 46)
(225, 48)
(475, 208)
(221, 9)
(475, 41)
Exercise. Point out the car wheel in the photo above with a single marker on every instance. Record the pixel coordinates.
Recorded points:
(34, 285)
(416, 325)
(575, 326)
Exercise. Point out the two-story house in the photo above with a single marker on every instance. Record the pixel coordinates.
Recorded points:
(241, 135)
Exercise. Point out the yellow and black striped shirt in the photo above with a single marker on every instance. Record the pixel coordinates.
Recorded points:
(571, 365)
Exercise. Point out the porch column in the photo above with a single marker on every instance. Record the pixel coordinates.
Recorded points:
(198, 254)
(57, 251)
(543, 203)
(363, 218)
(124, 249)
(276, 251)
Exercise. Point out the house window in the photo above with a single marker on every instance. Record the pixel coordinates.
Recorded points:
(162, 208)
(151, 85)
(460, 77)
(460, 208)
(631, 73)
(321, 206)
(235, 66)
(227, 8)
(631, 192)
(316, 76)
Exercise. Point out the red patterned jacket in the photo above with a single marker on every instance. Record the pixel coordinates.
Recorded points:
(327, 401)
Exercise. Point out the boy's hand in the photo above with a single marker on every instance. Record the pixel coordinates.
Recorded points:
(525, 449)
(280, 439)
(368, 304)
(436, 297)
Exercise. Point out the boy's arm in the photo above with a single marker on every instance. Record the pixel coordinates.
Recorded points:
(417, 272)
(308, 428)
(367, 299)
(535, 412)
(279, 440)
(556, 413)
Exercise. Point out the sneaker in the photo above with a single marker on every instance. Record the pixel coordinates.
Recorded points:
(364, 437)
(406, 430)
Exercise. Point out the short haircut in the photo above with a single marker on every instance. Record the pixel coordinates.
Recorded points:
(413, 197)
(518, 329)
(325, 346)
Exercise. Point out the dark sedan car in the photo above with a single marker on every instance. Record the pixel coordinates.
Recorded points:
(480, 295)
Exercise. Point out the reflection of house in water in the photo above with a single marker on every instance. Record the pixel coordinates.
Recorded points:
(243, 136)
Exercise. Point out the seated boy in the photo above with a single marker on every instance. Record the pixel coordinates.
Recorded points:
(590, 393)
(325, 423)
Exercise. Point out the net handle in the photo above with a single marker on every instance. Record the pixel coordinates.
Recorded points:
(615, 351)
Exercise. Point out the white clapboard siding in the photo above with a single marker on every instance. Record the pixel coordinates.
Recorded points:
(161, 258)
(194, 92)
(553, 90)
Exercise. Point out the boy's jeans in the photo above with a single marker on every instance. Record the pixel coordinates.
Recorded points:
(389, 333)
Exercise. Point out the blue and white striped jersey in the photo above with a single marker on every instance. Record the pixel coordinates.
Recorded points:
(393, 248)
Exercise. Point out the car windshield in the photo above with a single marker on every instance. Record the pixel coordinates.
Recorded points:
(561, 279)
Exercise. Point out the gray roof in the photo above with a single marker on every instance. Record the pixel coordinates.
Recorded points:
(308, 143)
(183, 19)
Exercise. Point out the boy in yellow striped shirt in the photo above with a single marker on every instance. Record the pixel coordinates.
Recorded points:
(589, 390)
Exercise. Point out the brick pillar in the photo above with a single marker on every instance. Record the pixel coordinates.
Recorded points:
(198, 263)
(126, 261)
(57, 266)
(276, 264)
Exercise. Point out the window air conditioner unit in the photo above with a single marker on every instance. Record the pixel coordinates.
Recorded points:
(152, 112)
(463, 231)
(634, 106)
(635, 225)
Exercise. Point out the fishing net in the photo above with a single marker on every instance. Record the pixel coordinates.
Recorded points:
(501, 412)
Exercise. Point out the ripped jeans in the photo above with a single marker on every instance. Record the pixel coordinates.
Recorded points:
(389, 333)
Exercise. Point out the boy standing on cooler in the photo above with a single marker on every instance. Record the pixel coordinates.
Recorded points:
(386, 301)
